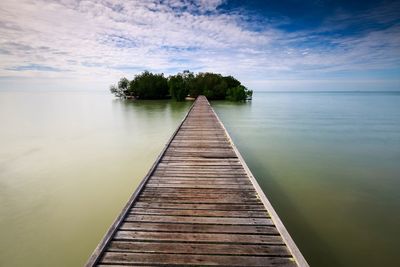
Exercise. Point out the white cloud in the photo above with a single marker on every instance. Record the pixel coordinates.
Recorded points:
(105, 39)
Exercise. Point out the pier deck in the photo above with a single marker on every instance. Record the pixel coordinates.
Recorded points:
(199, 205)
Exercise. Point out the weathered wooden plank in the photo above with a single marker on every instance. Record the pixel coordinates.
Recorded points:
(210, 199)
(176, 176)
(200, 186)
(196, 248)
(211, 163)
(198, 237)
(204, 138)
(193, 161)
(197, 142)
(207, 171)
(199, 149)
(199, 162)
(201, 146)
(201, 213)
(212, 133)
(195, 196)
(204, 154)
(200, 190)
(223, 170)
(192, 153)
(194, 260)
(203, 206)
(199, 200)
(180, 179)
(194, 182)
(199, 228)
(198, 166)
(198, 181)
(198, 220)
(173, 158)
(199, 175)
(200, 130)
(149, 193)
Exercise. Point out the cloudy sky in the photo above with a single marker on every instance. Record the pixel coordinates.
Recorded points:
(269, 45)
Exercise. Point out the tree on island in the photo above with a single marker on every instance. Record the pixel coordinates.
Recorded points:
(238, 93)
(149, 86)
(155, 86)
(180, 85)
(121, 90)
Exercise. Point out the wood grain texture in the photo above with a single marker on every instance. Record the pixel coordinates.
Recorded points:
(193, 260)
(199, 205)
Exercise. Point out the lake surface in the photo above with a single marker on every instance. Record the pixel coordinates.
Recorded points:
(328, 162)
(330, 165)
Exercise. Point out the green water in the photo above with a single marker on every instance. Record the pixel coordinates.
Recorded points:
(68, 164)
(328, 162)
(330, 165)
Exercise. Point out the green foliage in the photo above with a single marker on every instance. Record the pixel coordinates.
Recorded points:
(121, 90)
(239, 93)
(114, 90)
(149, 86)
(155, 86)
(212, 85)
(231, 81)
(249, 94)
(123, 84)
(179, 85)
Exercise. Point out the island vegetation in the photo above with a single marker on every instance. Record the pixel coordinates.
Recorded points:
(147, 85)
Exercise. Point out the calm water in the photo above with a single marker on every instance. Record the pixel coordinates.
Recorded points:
(68, 164)
(329, 163)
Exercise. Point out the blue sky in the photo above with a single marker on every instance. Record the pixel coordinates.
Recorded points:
(269, 45)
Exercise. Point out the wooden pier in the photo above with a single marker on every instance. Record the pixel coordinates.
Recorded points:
(199, 205)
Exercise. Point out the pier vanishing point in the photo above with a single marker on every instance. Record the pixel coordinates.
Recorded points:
(199, 205)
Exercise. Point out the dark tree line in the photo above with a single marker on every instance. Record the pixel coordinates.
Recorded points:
(214, 86)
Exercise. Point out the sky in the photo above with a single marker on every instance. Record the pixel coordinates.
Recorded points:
(268, 45)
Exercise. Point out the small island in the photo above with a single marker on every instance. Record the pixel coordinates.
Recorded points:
(214, 86)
